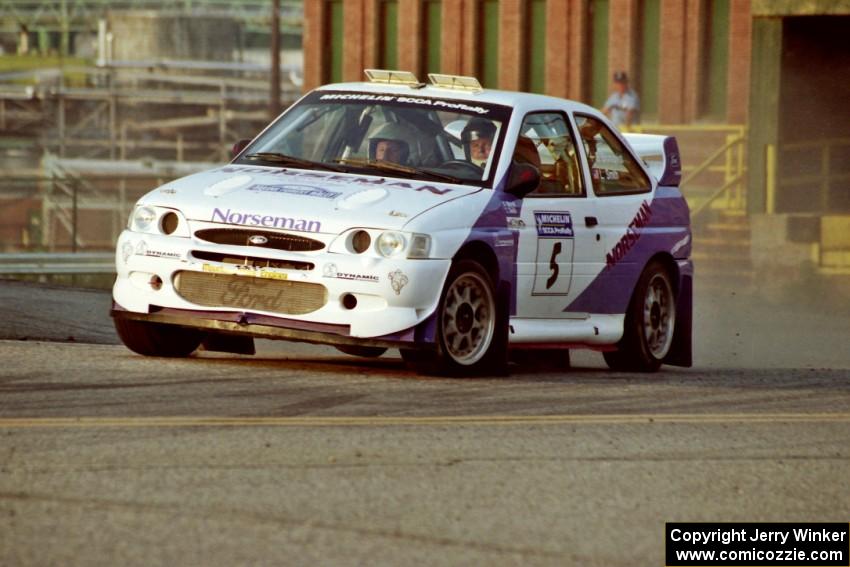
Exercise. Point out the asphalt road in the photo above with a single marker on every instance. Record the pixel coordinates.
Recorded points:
(305, 456)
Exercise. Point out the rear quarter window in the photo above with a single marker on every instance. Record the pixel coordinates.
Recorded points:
(613, 169)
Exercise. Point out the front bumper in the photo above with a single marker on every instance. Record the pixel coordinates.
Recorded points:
(392, 296)
(264, 327)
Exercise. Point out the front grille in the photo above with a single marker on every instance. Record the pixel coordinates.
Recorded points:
(276, 240)
(252, 261)
(250, 293)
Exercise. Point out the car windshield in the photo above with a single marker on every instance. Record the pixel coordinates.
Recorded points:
(411, 137)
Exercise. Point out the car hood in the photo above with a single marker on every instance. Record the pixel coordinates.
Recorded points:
(302, 200)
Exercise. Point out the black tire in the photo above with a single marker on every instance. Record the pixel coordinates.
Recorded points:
(472, 328)
(650, 324)
(364, 351)
(157, 339)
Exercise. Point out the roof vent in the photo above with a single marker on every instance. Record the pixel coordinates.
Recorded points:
(392, 77)
(456, 82)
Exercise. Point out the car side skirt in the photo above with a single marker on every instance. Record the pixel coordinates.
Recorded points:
(590, 330)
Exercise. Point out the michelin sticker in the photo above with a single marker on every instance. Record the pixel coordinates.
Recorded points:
(554, 224)
(302, 190)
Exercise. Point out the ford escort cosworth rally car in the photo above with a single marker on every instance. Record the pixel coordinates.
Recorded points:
(454, 223)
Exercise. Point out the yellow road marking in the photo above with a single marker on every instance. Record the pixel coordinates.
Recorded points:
(378, 421)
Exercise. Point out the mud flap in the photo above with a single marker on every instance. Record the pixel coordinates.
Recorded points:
(681, 351)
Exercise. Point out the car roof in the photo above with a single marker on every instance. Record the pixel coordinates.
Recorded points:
(523, 102)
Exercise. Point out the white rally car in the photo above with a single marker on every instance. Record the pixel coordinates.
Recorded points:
(454, 223)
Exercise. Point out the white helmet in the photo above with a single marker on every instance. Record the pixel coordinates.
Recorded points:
(396, 133)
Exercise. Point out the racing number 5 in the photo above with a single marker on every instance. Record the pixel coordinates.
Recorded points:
(553, 265)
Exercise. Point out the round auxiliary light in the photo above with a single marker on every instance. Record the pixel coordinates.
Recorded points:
(143, 218)
(391, 244)
(169, 223)
(360, 241)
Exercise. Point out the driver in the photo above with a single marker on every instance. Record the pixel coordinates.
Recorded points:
(477, 138)
(388, 144)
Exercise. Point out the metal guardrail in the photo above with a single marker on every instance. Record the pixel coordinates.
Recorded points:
(82, 15)
(37, 263)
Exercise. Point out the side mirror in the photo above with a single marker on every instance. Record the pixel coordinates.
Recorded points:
(238, 147)
(523, 179)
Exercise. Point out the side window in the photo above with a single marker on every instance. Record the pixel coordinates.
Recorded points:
(613, 169)
(545, 142)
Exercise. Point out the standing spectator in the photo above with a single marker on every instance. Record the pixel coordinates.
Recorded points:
(623, 106)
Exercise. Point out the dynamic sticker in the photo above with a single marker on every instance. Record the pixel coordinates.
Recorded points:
(398, 280)
(143, 250)
(554, 224)
(250, 271)
(331, 271)
(630, 238)
(254, 219)
(302, 190)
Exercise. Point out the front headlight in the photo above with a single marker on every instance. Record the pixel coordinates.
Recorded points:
(383, 244)
(390, 244)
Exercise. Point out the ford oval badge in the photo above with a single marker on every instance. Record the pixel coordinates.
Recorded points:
(257, 240)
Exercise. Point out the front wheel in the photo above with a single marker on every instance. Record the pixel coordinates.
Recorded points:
(649, 326)
(157, 339)
(471, 331)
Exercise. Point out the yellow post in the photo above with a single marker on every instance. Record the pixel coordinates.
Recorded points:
(824, 172)
(727, 173)
(739, 171)
(770, 178)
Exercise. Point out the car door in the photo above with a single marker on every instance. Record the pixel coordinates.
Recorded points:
(622, 187)
(560, 249)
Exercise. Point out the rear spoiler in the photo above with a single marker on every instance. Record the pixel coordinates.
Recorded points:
(660, 154)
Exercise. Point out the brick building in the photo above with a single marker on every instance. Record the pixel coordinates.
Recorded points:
(688, 59)
(755, 90)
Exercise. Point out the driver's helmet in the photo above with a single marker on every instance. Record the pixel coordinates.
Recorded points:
(396, 140)
(477, 129)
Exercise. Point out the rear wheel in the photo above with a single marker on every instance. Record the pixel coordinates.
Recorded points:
(649, 326)
(157, 339)
(471, 329)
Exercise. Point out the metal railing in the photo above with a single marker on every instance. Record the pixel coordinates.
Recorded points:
(82, 15)
(735, 171)
(207, 113)
(57, 263)
(728, 161)
(828, 161)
